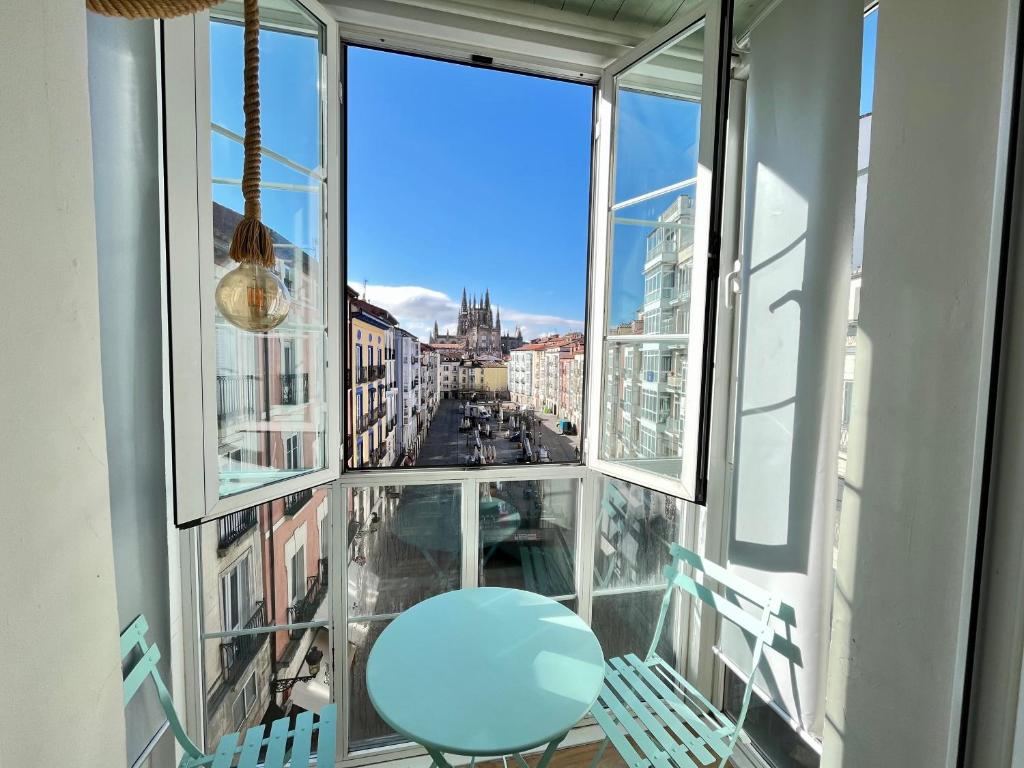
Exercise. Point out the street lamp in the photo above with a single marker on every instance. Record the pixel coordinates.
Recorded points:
(314, 656)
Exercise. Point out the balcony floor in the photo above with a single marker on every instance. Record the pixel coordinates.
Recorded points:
(576, 757)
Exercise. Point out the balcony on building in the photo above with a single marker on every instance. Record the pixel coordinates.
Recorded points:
(294, 388)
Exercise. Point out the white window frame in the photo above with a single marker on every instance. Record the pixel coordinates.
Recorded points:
(190, 274)
(690, 484)
(590, 475)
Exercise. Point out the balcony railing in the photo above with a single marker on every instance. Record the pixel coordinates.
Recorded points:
(362, 374)
(237, 652)
(231, 528)
(294, 388)
(377, 371)
(304, 609)
(293, 502)
(236, 398)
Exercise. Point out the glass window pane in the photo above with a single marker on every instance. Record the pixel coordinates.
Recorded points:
(404, 545)
(260, 567)
(271, 387)
(654, 212)
(366, 729)
(644, 393)
(480, 323)
(528, 535)
(625, 623)
(635, 528)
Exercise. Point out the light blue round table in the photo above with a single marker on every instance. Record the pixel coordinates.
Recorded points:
(485, 672)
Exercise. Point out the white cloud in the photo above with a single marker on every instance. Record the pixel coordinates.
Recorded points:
(417, 307)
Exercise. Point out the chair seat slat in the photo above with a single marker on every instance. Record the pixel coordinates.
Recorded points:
(226, 748)
(327, 730)
(250, 756)
(664, 742)
(694, 743)
(633, 729)
(301, 739)
(692, 691)
(276, 744)
(691, 717)
(621, 743)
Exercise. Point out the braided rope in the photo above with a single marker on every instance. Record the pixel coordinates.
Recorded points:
(251, 106)
(148, 9)
(251, 241)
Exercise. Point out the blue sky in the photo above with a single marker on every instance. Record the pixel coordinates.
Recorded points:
(459, 176)
(867, 69)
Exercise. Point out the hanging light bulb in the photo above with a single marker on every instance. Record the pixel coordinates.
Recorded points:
(253, 298)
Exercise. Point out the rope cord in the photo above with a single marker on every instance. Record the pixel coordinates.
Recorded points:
(148, 9)
(251, 107)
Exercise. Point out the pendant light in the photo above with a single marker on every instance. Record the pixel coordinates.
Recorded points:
(252, 296)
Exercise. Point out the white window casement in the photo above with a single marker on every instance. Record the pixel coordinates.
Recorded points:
(619, 458)
(204, 126)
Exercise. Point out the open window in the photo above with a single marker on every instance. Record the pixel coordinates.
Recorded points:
(657, 217)
(255, 415)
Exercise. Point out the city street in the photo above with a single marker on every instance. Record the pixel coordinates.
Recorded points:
(444, 445)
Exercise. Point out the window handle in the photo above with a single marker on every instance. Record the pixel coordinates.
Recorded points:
(732, 285)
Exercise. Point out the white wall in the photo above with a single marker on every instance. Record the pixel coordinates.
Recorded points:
(907, 528)
(58, 618)
(801, 167)
(126, 158)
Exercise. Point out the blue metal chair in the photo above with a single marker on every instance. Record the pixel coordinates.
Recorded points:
(281, 745)
(652, 714)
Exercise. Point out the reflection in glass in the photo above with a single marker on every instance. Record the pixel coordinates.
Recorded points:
(624, 623)
(654, 215)
(528, 535)
(271, 387)
(260, 567)
(403, 545)
(366, 729)
(644, 396)
(635, 528)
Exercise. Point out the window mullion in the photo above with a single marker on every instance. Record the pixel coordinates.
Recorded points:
(470, 533)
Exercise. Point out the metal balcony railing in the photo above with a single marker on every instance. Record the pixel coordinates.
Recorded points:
(237, 652)
(304, 609)
(236, 398)
(294, 388)
(231, 528)
(293, 502)
(362, 374)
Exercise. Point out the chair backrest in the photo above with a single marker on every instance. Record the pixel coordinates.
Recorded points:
(143, 667)
(744, 604)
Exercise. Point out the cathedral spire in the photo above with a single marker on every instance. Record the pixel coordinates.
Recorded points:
(497, 321)
(435, 335)
(487, 299)
(464, 307)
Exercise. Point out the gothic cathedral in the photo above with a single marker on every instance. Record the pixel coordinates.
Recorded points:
(479, 329)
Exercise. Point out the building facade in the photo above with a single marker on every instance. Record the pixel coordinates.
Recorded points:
(371, 383)
(646, 382)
